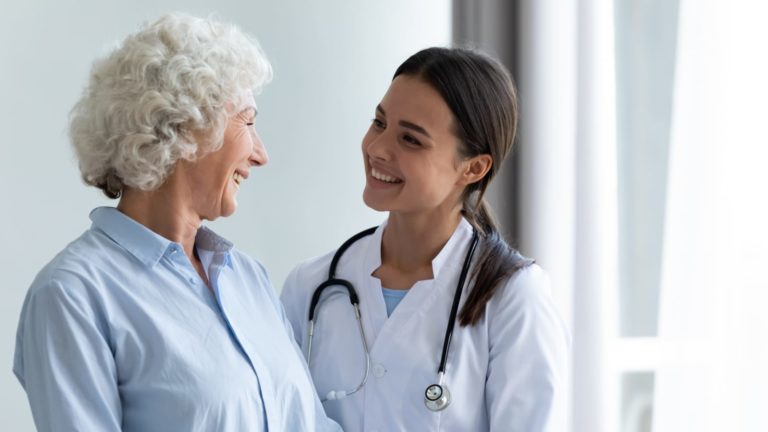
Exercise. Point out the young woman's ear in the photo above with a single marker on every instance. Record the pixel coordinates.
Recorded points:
(476, 168)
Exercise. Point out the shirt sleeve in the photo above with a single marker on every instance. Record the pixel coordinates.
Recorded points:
(64, 362)
(322, 423)
(527, 382)
(295, 311)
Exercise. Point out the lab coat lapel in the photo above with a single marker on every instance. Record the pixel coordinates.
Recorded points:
(425, 297)
(374, 311)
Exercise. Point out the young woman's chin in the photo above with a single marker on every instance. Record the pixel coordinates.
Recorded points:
(375, 202)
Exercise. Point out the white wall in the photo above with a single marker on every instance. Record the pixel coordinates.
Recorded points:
(332, 60)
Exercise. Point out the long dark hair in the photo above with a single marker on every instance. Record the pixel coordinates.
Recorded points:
(480, 93)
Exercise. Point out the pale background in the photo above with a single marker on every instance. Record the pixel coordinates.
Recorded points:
(639, 181)
(332, 61)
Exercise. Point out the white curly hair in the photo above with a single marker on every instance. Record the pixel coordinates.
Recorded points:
(163, 95)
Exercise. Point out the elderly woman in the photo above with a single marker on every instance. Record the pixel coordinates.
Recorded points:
(150, 321)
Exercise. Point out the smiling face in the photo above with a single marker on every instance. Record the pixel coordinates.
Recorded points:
(411, 151)
(215, 178)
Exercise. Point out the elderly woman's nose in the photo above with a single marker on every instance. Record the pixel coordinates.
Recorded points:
(259, 154)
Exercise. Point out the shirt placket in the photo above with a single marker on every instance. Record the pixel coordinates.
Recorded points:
(217, 267)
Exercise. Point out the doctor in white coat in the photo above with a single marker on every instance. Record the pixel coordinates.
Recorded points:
(497, 360)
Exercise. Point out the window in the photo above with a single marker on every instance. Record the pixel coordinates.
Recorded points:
(645, 33)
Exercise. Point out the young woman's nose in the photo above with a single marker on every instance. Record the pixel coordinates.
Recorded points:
(379, 147)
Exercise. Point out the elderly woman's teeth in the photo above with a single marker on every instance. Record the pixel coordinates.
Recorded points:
(237, 178)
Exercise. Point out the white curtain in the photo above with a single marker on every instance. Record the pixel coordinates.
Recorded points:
(568, 183)
(711, 354)
(714, 294)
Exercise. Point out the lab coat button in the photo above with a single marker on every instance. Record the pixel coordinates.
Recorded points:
(379, 371)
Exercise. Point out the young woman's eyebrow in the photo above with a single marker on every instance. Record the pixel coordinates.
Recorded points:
(414, 127)
(406, 124)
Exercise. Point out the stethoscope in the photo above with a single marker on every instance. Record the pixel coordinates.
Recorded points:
(436, 396)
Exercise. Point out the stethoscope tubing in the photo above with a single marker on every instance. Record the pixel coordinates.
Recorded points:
(434, 405)
(353, 299)
(455, 305)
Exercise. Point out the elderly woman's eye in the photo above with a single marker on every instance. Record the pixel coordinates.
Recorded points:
(249, 123)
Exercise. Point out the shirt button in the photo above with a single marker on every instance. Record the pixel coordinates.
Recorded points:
(379, 371)
(192, 280)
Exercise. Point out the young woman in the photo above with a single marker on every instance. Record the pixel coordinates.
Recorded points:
(449, 327)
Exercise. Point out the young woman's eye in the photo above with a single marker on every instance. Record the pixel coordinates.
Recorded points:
(378, 124)
(411, 140)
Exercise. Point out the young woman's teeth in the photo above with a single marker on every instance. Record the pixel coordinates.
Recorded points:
(383, 177)
(237, 178)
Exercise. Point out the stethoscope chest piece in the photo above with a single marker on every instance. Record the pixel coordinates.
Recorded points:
(437, 397)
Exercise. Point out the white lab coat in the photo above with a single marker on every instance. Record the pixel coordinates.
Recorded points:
(506, 373)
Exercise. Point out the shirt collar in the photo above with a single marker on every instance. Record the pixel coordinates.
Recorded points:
(461, 236)
(146, 245)
(209, 245)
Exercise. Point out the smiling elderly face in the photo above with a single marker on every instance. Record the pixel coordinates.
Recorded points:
(215, 178)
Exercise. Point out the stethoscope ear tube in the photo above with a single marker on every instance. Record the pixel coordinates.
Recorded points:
(341, 394)
(354, 300)
(316, 299)
(332, 274)
(331, 282)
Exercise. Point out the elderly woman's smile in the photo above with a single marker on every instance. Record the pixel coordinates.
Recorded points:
(239, 178)
(214, 179)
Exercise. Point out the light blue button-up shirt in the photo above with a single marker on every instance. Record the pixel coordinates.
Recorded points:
(118, 332)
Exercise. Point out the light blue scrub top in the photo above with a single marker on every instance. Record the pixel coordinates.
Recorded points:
(392, 298)
(119, 332)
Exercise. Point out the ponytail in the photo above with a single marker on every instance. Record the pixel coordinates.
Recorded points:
(496, 264)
